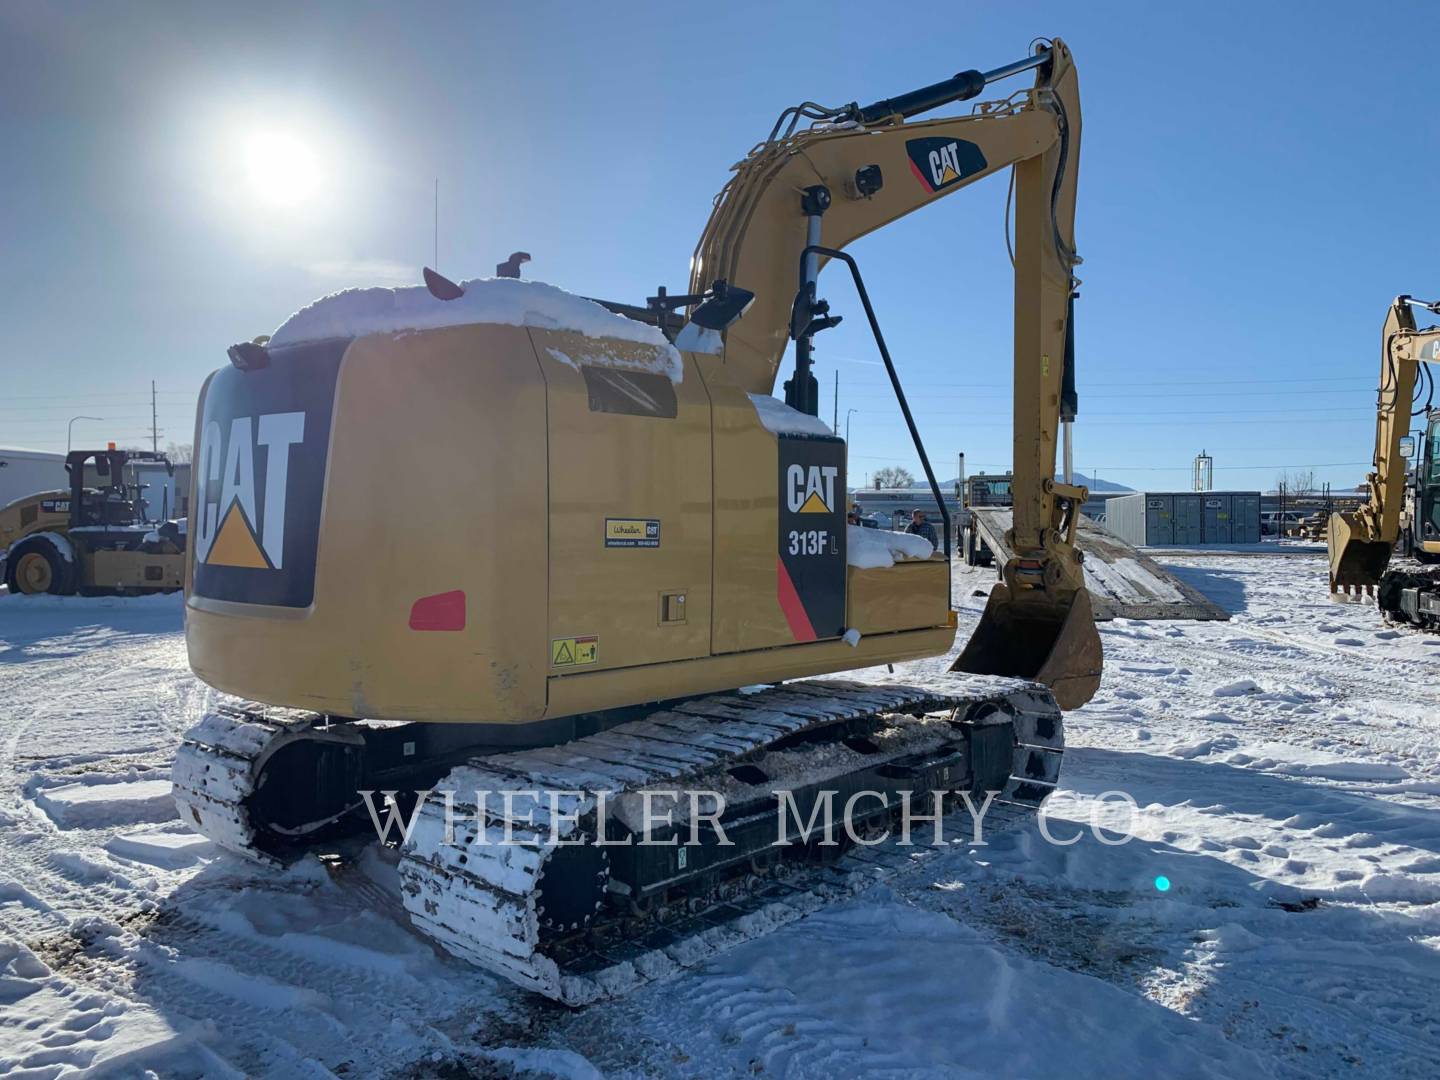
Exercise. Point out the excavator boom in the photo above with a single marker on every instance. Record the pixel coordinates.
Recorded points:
(859, 170)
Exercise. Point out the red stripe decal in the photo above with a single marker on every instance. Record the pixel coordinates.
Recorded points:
(921, 177)
(443, 611)
(790, 604)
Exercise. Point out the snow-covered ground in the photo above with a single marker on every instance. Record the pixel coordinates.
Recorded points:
(1285, 764)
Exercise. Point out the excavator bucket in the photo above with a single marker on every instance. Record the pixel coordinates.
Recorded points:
(1058, 647)
(1354, 560)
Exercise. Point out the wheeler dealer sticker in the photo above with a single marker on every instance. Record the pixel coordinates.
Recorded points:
(632, 533)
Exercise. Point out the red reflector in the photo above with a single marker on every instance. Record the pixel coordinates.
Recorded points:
(443, 611)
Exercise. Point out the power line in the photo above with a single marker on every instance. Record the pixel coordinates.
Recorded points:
(1223, 468)
(1242, 382)
(1323, 412)
(1090, 425)
(1140, 468)
(920, 385)
(96, 395)
(1086, 384)
(61, 419)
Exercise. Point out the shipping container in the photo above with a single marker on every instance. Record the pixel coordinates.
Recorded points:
(1218, 529)
(1189, 518)
(1137, 518)
(1245, 517)
(1185, 518)
(1159, 518)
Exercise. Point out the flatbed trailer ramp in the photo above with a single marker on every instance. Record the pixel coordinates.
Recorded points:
(1123, 582)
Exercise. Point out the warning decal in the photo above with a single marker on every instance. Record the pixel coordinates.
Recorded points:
(573, 651)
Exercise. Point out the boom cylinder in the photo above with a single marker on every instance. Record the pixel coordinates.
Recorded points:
(960, 87)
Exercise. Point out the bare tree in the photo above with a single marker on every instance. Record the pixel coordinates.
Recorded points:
(179, 453)
(893, 476)
(1297, 483)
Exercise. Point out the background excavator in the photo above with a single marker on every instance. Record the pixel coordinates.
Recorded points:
(639, 529)
(1403, 507)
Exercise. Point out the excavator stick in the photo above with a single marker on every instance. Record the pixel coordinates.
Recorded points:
(1056, 645)
(1354, 560)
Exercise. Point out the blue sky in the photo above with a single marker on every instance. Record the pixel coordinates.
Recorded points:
(1255, 185)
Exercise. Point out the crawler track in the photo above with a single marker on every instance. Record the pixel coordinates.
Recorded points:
(486, 901)
(578, 922)
(220, 766)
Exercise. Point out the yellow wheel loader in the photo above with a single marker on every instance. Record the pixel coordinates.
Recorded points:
(1403, 504)
(536, 673)
(91, 539)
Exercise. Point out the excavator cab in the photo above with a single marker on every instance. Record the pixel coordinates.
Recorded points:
(1425, 511)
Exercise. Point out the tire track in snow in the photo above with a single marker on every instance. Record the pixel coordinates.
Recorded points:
(290, 997)
(1321, 678)
(67, 870)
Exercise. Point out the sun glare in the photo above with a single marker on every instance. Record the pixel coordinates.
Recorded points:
(283, 171)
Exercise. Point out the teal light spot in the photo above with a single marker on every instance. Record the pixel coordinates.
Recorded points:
(1162, 883)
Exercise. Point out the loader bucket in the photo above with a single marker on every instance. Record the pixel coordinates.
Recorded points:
(1057, 647)
(1354, 560)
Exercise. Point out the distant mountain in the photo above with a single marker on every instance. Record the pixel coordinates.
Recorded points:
(1097, 484)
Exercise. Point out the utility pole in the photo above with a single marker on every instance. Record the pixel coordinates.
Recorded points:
(835, 422)
(154, 421)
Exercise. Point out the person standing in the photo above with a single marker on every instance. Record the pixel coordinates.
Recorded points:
(920, 527)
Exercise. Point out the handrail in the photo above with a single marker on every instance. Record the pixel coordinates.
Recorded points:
(833, 253)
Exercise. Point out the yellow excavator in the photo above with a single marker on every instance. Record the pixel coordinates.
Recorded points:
(635, 529)
(1403, 503)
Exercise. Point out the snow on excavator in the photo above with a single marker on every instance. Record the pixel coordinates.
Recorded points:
(637, 530)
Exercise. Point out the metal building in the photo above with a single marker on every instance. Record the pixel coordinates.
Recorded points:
(891, 506)
(25, 472)
(1185, 518)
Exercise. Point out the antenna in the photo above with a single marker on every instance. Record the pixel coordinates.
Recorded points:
(154, 422)
(437, 223)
